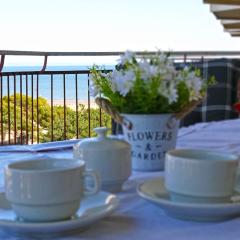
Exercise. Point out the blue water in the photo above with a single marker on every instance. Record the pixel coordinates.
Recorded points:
(45, 82)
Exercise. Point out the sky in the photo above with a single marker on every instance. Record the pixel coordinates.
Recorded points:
(111, 25)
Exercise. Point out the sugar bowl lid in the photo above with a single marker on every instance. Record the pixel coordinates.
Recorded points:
(101, 142)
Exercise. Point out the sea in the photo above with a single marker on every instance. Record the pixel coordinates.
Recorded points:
(45, 82)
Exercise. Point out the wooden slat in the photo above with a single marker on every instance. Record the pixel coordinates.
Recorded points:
(222, 7)
(235, 34)
(233, 25)
(225, 11)
(234, 2)
(233, 14)
(232, 31)
(226, 21)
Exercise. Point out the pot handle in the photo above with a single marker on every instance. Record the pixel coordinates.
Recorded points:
(172, 121)
(108, 108)
(127, 123)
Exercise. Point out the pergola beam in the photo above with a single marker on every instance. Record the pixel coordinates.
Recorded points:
(231, 24)
(235, 34)
(225, 11)
(230, 2)
(232, 30)
(228, 11)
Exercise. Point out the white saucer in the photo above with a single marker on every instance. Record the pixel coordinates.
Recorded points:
(92, 209)
(154, 191)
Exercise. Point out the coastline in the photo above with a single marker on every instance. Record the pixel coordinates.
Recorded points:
(72, 103)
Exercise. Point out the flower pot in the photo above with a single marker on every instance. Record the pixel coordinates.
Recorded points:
(150, 136)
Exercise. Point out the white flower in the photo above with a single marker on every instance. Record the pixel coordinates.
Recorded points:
(167, 71)
(127, 57)
(123, 82)
(147, 70)
(94, 90)
(194, 84)
(115, 78)
(163, 57)
(169, 90)
(173, 94)
(156, 75)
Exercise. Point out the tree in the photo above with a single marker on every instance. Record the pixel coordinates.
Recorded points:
(27, 116)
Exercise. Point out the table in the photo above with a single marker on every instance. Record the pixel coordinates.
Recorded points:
(138, 219)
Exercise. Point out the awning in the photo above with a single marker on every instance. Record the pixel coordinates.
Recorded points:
(228, 12)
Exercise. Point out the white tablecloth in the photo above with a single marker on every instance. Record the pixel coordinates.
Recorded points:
(138, 219)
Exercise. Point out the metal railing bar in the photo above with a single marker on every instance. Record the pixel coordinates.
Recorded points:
(100, 115)
(15, 105)
(1, 105)
(76, 86)
(44, 63)
(37, 89)
(2, 62)
(89, 111)
(52, 107)
(21, 118)
(64, 105)
(45, 72)
(104, 53)
(8, 96)
(185, 58)
(26, 109)
(116, 53)
(32, 109)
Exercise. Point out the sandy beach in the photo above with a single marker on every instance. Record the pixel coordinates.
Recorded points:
(72, 103)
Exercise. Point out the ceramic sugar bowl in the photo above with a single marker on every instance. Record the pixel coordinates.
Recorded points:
(110, 156)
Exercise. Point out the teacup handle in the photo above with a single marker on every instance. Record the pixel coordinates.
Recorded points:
(97, 183)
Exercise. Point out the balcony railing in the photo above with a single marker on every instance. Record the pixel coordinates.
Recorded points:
(50, 105)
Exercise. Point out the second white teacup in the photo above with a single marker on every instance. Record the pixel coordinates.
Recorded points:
(47, 189)
(200, 176)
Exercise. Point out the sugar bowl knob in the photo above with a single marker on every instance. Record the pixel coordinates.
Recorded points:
(101, 131)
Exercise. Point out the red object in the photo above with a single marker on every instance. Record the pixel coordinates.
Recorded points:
(237, 107)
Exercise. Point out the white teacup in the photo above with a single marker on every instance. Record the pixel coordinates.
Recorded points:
(201, 176)
(47, 189)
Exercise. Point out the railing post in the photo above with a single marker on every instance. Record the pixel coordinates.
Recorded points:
(2, 62)
(185, 58)
(45, 63)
